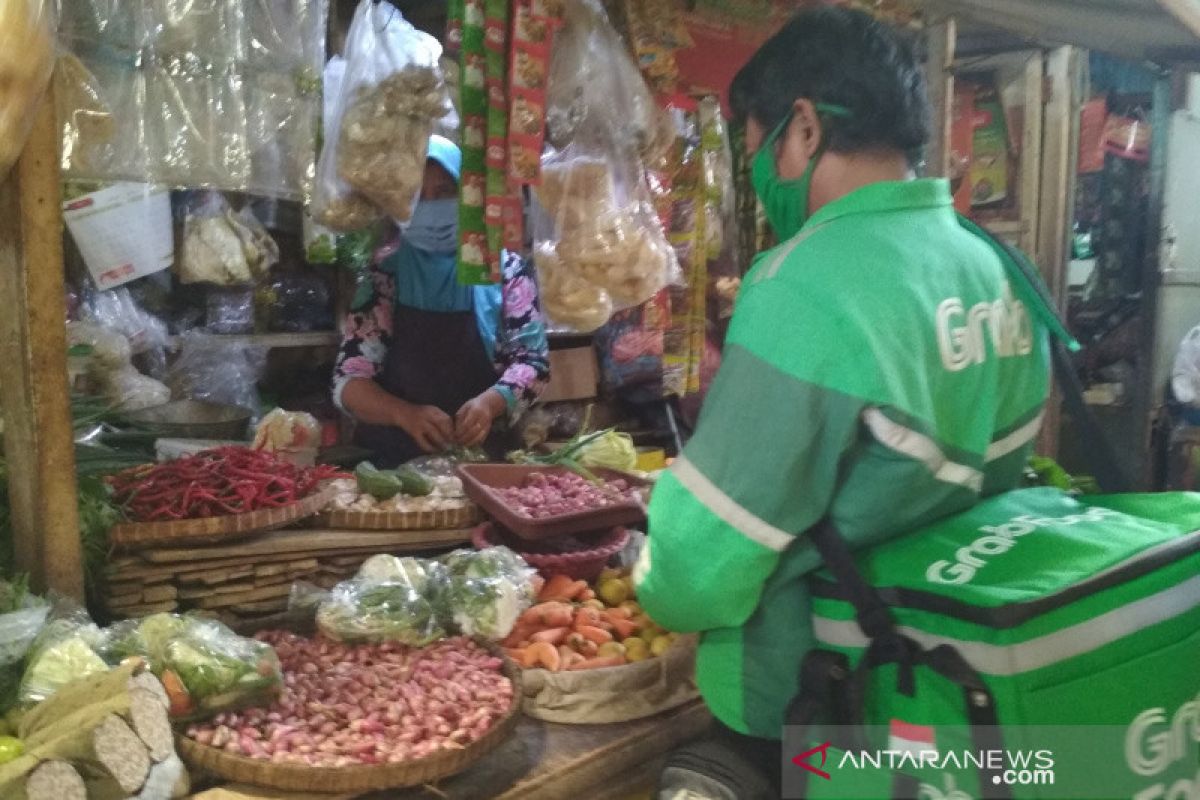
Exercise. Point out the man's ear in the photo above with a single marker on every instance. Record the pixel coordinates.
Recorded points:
(807, 123)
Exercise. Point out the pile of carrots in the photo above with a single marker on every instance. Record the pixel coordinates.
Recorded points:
(570, 628)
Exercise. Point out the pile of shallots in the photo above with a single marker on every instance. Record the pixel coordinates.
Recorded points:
(345, 705)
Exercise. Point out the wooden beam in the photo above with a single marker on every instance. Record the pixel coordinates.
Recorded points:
(941, 38)
(38, 438)
(1029, 193)
(1060, 151)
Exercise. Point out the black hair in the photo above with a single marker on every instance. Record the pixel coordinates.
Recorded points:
(841, 57)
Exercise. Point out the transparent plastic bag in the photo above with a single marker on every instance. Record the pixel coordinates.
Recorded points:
(602, 227)
(67, 648)
(377, 135)
(129, 390)
(287, 430)
(486, 591)
(336, 205)
(1185, 376)
(398, 608)
(222, 247)
(205, 666)
(26, 63)
(217, 371)
(118, 311)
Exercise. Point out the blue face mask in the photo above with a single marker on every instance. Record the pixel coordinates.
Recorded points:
(434, 226)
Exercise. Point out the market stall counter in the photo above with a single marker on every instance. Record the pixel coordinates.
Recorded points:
(541, 761)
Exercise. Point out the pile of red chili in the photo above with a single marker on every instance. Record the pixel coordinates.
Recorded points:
(214, 483)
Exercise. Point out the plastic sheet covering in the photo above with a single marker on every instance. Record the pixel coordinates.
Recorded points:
(26, 61)
(193, 93)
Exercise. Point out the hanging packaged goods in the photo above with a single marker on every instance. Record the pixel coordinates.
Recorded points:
(226, 97)
(373, 162)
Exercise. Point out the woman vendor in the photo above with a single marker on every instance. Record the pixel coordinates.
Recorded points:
(427, 363)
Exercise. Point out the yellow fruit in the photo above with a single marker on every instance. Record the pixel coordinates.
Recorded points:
(596, 604)
(608, 574)
(636, 649)
(628, 581)
(632, 607)
(609, 649)
(613, 592)
(661, 644)
(10, 749)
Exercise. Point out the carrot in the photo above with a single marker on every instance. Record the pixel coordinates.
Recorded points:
(578, 643)
(545, 654)
(588, 594)
(618, 613)
(554, 636)
(597, 663)
(518, 638)
(594, 634)
(178, 695)
(569, 657)
(624, 628)
(577, 589)
(587, 616)
(558, 588)
(547, 615)
(522, 656)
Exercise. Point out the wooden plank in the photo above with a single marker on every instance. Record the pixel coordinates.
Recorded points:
(941, 38)
(1031, 152)
(1060, 153)
(39, 442)
(306, 541)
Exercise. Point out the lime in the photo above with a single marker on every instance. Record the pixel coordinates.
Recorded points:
(10, 749)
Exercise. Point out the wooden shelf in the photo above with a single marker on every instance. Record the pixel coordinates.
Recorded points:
(275, 341)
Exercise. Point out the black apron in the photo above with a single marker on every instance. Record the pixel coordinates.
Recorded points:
(436, 359)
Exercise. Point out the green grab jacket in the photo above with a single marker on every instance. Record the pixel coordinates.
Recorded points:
(880, 369)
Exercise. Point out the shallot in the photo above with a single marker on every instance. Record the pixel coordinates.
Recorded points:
(555, 493)
(346, 705)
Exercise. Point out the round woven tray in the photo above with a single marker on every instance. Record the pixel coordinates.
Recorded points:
(291, 777)
(212, 530)
(447, 519)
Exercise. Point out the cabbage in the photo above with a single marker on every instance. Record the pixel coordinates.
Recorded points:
(65, 651)
(611, 451)
(485, 591)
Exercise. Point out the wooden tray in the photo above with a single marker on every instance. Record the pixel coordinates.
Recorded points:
(356, 779)
(480, 481)
(446, 519)
(212, 530)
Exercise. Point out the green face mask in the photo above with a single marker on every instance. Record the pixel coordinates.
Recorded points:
(786, 202)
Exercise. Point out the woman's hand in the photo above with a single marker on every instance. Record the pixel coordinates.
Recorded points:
(474, 420)
(429, 426)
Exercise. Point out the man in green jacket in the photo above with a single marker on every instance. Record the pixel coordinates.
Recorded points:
(881, 370)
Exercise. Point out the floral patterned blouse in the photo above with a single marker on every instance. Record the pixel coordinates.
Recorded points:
(520, 350)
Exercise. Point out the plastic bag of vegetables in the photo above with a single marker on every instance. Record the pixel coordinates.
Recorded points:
(22, 616)
(485, 591)
(204, 666)
(67, 648)
(390, 600)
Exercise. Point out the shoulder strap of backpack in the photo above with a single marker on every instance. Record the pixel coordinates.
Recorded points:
(1103, 460)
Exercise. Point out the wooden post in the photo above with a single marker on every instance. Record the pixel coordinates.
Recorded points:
(1060, 148)
(38, 438)
(941, 38)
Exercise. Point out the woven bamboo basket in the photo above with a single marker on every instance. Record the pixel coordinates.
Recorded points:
(213, 530)
(357, 779)
(446, 519)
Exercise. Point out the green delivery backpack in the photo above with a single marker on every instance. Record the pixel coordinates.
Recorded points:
(1038, 646)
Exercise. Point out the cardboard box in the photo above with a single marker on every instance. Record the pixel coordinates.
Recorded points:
(574, 375)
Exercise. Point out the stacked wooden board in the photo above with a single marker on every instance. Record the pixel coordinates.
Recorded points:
(252, 578)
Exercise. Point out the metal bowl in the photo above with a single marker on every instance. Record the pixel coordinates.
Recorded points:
(193, 419)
